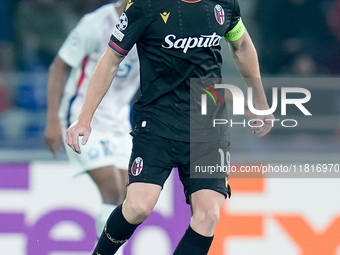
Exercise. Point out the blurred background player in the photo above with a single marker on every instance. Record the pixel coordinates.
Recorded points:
(106, 157)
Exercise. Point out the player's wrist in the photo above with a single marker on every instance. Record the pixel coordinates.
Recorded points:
(84, 120)
(260, 101)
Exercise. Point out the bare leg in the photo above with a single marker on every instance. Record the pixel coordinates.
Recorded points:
(206, 206)
(111, 184)
(140, 200)
(123, 221)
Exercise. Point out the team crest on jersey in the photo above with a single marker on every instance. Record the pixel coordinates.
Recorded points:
(219, 14)
(122, 22)
(137, 166)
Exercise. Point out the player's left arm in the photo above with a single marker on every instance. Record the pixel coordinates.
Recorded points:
(246, 60)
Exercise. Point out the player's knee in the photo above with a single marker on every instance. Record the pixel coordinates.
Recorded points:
(137, 210)
(208, 217)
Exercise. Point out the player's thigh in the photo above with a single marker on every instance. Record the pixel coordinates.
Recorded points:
(150, 166)
(140, 200)
(124, 175)
(207, 170)
(143, 194)
(205, 205)
(151, 160)
(111, 184)
(107, 177)
(206, 201)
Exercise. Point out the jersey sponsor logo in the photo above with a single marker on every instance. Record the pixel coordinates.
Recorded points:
(122, 22)
(128, 5)
(165, 16)
(219, 14)
(204, 41)
(118, 34)
(137, 166)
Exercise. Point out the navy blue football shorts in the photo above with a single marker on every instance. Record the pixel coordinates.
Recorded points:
(200, 165)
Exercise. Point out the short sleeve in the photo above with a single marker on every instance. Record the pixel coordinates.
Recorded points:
(235, 16)
(236, 28)
(130, 28)
(79, 43)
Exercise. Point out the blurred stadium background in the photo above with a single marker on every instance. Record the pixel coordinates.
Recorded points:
(44, 210)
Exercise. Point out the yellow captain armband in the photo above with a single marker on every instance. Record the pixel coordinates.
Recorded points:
(236, 32)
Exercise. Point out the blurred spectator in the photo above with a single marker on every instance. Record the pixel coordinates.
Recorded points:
(82, 7)
(4, 97)
(41, 26)
(7, 8)
(334, 19)
(334, 25)
(304, 65)
(293, 36)
(6, 20)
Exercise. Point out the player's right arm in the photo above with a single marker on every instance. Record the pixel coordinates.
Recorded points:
(130, 28)
(100, 82)
(79, 43)
(55, 85)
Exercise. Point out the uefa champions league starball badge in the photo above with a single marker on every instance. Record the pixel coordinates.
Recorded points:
(122, 22)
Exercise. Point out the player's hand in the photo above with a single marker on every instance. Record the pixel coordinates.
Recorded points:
(268, 120)
(73, 133)
(53, 137)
